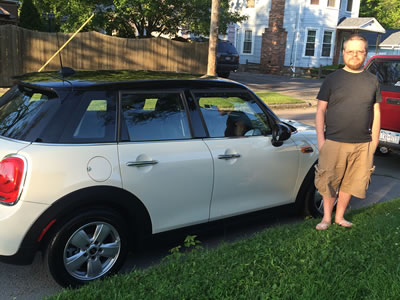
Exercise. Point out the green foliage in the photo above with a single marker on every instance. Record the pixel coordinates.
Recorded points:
(139, 18)
(284, 262)
(387, 12)
(29, 16)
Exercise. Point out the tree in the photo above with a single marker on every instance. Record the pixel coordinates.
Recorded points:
(141, 18)
(387, 12)
(29, 16)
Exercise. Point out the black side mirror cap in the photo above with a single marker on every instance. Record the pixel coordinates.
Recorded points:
(280, 133)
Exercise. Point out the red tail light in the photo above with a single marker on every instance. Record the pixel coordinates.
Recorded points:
(11, 179)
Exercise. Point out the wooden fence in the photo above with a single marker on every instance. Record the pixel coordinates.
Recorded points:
(24, 51)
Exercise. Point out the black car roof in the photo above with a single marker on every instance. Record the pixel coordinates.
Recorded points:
(136, 84)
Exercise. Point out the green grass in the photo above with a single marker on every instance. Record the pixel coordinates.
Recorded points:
(284, 262)
(275, 98)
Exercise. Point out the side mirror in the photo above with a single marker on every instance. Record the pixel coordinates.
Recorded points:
(280, 133)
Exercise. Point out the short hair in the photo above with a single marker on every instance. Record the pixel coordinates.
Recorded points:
(356, 37)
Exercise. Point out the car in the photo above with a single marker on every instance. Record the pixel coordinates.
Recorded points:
(89, 169)
(387, 69)
(227, 59)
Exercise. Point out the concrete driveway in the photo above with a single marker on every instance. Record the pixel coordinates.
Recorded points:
(300, 88)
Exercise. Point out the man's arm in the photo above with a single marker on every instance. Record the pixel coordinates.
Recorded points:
(320, 122)
(376, 125)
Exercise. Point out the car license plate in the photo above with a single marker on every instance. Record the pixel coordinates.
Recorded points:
(227, 58)
(389, 137)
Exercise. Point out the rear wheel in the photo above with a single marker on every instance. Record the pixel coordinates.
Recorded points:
(382, 150)
(224, 74)
(89, 246)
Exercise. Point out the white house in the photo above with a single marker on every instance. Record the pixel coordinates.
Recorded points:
(295, 33)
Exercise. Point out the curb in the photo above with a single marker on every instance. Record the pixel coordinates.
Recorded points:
(306, 104)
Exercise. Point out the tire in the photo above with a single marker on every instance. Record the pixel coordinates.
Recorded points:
(382, 150)
(75, 256)
(224, 74)
(314, 202)
(309, 200)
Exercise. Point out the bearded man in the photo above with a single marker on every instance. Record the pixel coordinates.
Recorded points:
(348, 125)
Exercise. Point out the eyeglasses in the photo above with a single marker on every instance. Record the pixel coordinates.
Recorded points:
(354, 53)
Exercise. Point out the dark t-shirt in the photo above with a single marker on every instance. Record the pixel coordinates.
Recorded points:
(351, 98)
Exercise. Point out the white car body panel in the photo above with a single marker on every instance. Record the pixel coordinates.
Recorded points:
(254, 180)
(54, 160)
(177, 190)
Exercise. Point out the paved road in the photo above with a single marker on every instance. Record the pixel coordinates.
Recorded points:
(33, 282)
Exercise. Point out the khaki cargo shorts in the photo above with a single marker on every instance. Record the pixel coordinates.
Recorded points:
(344, 166)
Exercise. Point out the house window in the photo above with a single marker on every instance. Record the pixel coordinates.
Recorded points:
(310, 44)
(250, 4)
(327, 44)
(314, 2)
(247, 43)
(331, 3)
(349, 5)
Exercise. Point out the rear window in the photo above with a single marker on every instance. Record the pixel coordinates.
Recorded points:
(24, 112)
(388, 72)
(225, 47)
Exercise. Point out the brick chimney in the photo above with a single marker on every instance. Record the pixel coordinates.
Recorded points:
(273, 44)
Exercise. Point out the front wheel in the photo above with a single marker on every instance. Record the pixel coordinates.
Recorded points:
(89, 246)
(309, 200)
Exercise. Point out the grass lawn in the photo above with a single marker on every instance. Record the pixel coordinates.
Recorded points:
(270, 98)
(284, 262)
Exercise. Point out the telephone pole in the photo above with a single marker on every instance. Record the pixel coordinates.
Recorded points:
(213, 42)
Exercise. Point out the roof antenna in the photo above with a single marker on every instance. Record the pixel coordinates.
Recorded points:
(64, 71)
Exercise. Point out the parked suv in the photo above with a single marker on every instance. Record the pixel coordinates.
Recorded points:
(88, 169)
(227, 59)
(387, 69)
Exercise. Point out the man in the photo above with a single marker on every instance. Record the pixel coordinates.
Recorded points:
(348, 125)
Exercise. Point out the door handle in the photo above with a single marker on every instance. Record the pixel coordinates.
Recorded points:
(141, 163)
(228, 156)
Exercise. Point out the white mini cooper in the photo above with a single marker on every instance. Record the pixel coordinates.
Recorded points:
(90, 168)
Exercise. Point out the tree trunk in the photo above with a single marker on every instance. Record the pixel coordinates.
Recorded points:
(213, 43)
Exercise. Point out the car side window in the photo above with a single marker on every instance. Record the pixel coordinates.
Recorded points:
(154, 116)
(232, 114)
(92, 120)
(388, 72)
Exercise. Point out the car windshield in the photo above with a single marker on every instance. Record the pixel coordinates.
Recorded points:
(24, 112)
(388, 72)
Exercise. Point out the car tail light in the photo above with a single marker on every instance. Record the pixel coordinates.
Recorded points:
(12, 170)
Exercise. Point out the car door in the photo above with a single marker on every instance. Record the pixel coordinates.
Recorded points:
(161, 164)
(249, 172)
(387, 70)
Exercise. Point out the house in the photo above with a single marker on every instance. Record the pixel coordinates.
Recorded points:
(281, 34)
(9, 12)
(391, 45)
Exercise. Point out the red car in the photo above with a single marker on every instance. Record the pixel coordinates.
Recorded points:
(387, 69)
